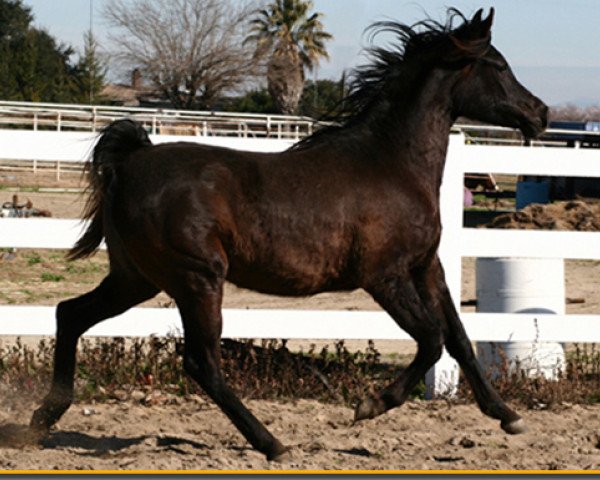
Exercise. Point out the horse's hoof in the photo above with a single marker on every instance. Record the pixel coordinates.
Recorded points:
(283, 455)
(515, 427)
(34, 436)
(39, 429)
(368, 408)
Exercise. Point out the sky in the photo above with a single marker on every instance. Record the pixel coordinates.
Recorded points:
(553, 46)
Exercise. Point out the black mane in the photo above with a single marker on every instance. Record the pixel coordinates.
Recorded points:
(368, 81)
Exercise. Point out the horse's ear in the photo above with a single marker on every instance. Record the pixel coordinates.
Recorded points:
(479, 28)
(474, 40)
(486, 25)
(476, 20)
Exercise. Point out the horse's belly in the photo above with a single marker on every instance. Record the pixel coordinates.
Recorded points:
(292, 274)
(291, 251)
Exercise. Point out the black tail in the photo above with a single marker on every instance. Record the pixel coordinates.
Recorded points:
(118, 140)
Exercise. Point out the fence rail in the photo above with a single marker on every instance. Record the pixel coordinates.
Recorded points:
(64, 152)
(314, 324)
(164, 121)
(91, 118)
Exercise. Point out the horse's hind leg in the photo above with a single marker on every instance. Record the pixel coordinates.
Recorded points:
(400, 298)
(200, 309)
(117, 293)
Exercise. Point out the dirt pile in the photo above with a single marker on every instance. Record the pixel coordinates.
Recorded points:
(570, 215)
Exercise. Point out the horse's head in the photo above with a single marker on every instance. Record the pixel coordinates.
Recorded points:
(485, 88)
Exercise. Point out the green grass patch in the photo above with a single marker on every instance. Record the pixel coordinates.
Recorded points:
(51, 277)
(85, 268)
(33, 258)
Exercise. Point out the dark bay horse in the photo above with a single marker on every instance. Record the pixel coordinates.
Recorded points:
(355, 205)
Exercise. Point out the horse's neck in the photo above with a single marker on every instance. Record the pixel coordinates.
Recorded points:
(430, 130)
(419, 125)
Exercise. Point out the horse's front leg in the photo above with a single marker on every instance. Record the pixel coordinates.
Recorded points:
(423, 307)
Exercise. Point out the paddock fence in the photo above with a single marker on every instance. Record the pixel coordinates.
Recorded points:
(46, 119)
(158, 121)
(457, 242)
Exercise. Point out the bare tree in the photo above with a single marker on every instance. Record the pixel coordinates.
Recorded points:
(574, 113)
(193, 50)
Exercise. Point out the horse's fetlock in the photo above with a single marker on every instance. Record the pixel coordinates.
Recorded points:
(46, 416)
(370, 407)
(279, 453)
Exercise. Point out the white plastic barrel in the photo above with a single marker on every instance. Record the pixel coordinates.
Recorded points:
(521, 285)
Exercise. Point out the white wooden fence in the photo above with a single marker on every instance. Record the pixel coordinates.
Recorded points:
(91, 118)
(457, 242)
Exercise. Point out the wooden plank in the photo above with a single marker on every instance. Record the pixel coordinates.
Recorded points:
(323, 324)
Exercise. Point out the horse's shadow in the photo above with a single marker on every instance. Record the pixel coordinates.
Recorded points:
(95, 446)
(18, 436)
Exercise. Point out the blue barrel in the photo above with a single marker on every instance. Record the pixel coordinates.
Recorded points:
(532, 192)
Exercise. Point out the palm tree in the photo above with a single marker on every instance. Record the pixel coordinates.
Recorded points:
(293, 41)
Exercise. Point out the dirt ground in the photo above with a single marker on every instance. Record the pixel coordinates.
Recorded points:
(195, 435)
